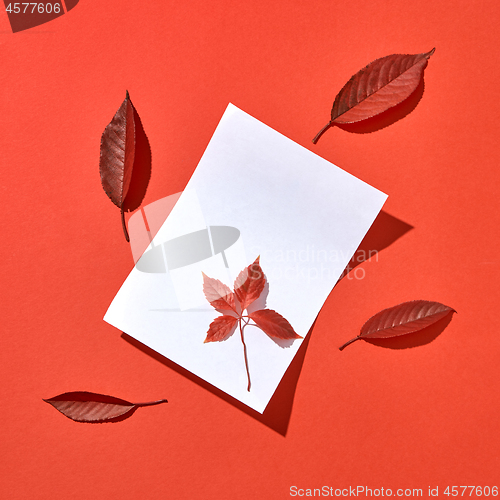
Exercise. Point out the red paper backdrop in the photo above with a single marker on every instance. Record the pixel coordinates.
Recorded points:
(369, 416)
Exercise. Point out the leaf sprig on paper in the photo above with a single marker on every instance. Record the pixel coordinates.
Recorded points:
(248, 287)
(405, 318)
(90, 407)
(381, 85)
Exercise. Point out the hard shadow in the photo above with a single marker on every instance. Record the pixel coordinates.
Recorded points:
(70, 4)
(392, 115)
(261, 303)
(416, 339)
(24, 16)
(385, 230)
(141, 170)
(277, 414)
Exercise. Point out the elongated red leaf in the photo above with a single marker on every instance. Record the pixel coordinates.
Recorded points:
(219, 295)
(117, 156)
(382, 84)
(94, 408)
(408, 317)
(273, 324)
(220, 328)
(249, 284)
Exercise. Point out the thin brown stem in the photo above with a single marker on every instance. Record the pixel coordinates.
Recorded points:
(146, 224)
(124, 225)
(322, 131)
(152, 403)
(350, 342)
(245, 353)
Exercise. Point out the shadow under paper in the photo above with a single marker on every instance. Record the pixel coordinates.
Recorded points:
(277, 414)
(385, 230)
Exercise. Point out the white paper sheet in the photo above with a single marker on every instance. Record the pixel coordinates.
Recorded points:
(304, 216)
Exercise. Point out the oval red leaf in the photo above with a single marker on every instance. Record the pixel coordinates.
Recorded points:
(117, 155)
(219, 295)
(273, 324)
(90, 407)
(379, 86)
(249, 284)
(408, 317)
(220, 328)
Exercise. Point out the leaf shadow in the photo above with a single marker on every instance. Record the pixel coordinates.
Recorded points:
(277, 414)
(21, 21)
(385, 230)
(261, 301)
(415, 339)
(141, 170)
(283, 343)
(392, 115)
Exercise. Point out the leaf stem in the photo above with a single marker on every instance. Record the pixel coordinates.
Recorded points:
(245, 353)
(152, 403)
(350, 342)
(322, 131)
(124, 225)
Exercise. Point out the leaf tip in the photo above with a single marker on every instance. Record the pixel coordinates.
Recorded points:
(127, 95)
(429, 54)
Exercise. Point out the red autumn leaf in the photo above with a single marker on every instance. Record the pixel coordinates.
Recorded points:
(408, 317)
(219, 295)
(95, 408)
(249, 284)
(273, 324)
(382, 84)
(220, 328)
(247, 288)
(117, 156)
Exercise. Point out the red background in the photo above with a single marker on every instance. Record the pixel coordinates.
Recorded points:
(370, 415)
